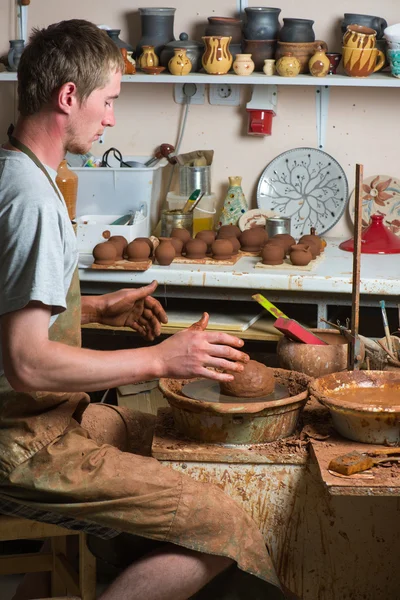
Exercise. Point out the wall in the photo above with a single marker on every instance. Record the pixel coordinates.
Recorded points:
(362, 125)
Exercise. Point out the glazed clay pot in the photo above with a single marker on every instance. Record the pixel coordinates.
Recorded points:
(157, 26)
(334, 60)
(260, 50)
(120, 244)
(227, 231)
(377, 23)
(252, 240)
(226, 27)
(194, 51)
(221, 249)
(196, 248)
(362, 63)
(319, 64)
(302, 51)
(357, 36)
(217, 59)
(288, 65)
(243, 65)
(148, 58)
(286, 239)
(272, 254)
(297, 30)
(262, 23)
(179, 63)
(138, 251)
(165, 253)
(207, 236)
(300, 255)
(104, 254)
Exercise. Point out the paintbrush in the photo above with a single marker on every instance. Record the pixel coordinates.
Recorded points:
(386, 326)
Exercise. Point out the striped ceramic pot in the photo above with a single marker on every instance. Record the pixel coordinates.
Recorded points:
(361, 63)
(216, 60)
(359, 37)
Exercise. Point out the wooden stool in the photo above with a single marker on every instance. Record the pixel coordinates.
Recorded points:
(64, 579)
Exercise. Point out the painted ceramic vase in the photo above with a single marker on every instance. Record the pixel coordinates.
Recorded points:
(67, 181)
(217, 59)
(235, 203)
(243, 65)
(319, 63)
(179, 64)
(130, 68)
(334, 60)
(269, 67)
(14, 54)
(361, 63)
(288, 65)
(148, 58)
(357, 36)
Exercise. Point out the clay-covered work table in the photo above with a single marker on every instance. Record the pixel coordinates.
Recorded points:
(329, 283)
(379, 481)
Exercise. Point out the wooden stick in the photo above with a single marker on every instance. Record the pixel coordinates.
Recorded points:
(355, 300)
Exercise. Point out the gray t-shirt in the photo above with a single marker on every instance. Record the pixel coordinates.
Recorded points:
(38, 252)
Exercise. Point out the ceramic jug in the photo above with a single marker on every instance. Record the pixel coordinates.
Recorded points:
(297, 30)
(157, 26)
(243, 64)
(179, 64)
(288, 65)
(217, 59)
(262, 23)
(14, 54)
(148, 58)
(235, 203)
(319, 63)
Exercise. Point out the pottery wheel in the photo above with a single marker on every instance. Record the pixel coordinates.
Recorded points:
(207, 390)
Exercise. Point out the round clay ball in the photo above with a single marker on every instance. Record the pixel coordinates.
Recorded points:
(104, 254)
(254, 381)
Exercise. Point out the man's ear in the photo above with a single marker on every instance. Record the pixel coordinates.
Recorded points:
(67, 97)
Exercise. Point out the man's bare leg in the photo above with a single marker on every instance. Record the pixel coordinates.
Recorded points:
(171, 573)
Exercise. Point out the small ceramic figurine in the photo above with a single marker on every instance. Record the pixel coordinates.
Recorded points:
(319, 64)
(243, 64)
(288, 65)
(179, 64)
(235, 203)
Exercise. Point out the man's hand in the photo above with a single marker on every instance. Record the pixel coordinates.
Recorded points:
(133, 308)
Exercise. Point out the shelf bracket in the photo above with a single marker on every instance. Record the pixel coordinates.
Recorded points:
(322, 103)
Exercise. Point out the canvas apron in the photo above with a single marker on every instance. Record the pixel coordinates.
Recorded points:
(49, 461)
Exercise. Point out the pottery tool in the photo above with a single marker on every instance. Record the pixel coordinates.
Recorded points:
(190, 201)
(196, 202)
(356, 462)
(289, 327)
(386, 326)
(353, 361)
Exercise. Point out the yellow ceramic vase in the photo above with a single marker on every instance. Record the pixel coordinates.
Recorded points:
(288, 65)
(148, 58)
(216, 60)
(180, 63)
(319, 64)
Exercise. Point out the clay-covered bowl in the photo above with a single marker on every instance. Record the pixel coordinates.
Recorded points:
(120, 243)
(272, 254)
(285, 239)
(182, 234)
(196, 248)
(208, 236)
(253, 239)
(227, 231)
(300, 255)
(222, 249)
(104, 253)
(138, 251)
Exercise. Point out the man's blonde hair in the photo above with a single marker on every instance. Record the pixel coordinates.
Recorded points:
(74, 50)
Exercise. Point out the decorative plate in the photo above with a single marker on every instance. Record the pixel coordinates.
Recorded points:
(254, 217)
(381, 195)
(307, 185)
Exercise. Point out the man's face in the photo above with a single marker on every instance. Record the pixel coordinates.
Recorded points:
(93, 116)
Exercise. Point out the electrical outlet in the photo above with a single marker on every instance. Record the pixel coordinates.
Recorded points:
(193, 91)
(224, 93)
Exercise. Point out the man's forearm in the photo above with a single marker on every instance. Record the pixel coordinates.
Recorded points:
(90, 309)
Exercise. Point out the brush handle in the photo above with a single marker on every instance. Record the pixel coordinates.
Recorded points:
(271, 308)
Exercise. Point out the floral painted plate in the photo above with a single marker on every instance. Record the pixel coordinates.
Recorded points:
(381, 195)
(307, 185)
(254, 217)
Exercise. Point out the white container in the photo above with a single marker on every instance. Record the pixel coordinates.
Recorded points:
(90, 230)
(119, 190)
(392, 33)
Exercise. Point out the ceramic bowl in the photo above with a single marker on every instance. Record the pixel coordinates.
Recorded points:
(153, 70)
(392, 33)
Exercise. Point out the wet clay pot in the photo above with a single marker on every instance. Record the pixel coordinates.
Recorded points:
(235, 244)
(165, 253)
(207, 236)
(222, 249)
(300, 255)
(104, 254)
(120, 244)
(252, 240)
(148, 242)
(138, 251)
(313, 239)
(177, 244)
(272, 254)
(285, 239)
(182, 234)
(196, 248)
(313, 360)
(227, 231)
